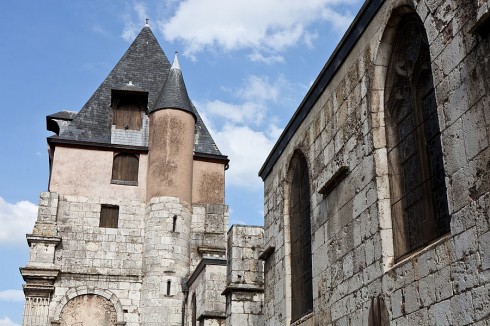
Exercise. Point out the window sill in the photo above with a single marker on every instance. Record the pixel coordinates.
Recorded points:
(419, 252)
(124, 182)
(303, 319)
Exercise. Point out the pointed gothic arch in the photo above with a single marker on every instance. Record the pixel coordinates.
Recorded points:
(418, 200)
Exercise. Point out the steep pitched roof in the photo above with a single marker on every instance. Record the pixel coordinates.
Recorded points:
(144, 68)
(145, 65)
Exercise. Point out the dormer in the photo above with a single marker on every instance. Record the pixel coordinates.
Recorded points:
(128, 107)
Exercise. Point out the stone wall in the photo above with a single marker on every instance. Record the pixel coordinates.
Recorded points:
(207, 284)
(245, 276)
(352, 243)
(91, 258)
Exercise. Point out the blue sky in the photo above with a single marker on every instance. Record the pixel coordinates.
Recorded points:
(247, 65)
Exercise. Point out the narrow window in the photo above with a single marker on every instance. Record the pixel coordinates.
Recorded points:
(174, 223)
(300, 230)
(418, 192)
(125, 169)
(109, 216)
(193, 310)
(127, 109)
(169, 285)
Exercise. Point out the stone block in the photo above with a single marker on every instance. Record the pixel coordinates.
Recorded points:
(462, 309)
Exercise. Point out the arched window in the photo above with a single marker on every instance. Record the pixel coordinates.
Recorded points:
(300, 231)
(193, 310)
(418, 192)
(125, 169)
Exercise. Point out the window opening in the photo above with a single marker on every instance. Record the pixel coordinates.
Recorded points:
(300, 229)
(109, 216)
(174, 223)
(125, 169)
(193, 312)
(418, 191)
(169, 284)
(128, 109)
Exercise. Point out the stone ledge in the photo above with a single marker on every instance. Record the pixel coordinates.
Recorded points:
(32, 238)
(243, 288)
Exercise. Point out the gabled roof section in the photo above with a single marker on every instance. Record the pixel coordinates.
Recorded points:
(144, 65)
(174, 93)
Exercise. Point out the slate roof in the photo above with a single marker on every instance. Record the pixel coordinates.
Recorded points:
(174, 93)
(144, 67)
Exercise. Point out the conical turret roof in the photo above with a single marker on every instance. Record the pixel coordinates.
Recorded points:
(174, 93)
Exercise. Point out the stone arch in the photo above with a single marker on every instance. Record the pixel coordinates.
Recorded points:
(401, 9)
(84, 290)
(298, 210)
(379, 69)
(286, 188)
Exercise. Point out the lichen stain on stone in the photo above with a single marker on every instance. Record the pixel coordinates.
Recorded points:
(164, 172)
(211, 187)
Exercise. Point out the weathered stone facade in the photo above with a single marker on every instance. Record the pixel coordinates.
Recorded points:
(341, 131)
(134, 222)
(168, 258)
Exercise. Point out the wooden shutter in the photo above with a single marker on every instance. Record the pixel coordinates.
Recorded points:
(125, 167)
(109, 216)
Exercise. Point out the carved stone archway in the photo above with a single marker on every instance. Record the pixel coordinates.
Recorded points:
(88, 297)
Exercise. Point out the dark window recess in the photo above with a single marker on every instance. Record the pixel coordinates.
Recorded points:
(174, 223)
(378, 313)
(109, 216)
(193, 310)
(125, 169)
(169, 285)
(418, 192)
(300, 229)
(128, 109)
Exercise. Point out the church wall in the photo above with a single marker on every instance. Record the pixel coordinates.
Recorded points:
(87, 172)
(352, 246)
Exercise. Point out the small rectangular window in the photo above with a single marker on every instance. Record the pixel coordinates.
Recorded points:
(109, 216)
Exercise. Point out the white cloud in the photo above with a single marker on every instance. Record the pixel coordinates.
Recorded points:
(16, 220)
(247, 150)
(254, 97)
(131, 29)
(270, 59)
(11, 295)
(260, 89)
(272, 25)
(5, 321)
(247, 112)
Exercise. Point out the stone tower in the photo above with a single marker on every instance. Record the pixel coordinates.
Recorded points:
(134, 217)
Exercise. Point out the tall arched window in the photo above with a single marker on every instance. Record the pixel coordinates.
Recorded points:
(300, 231)
(418, 192)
